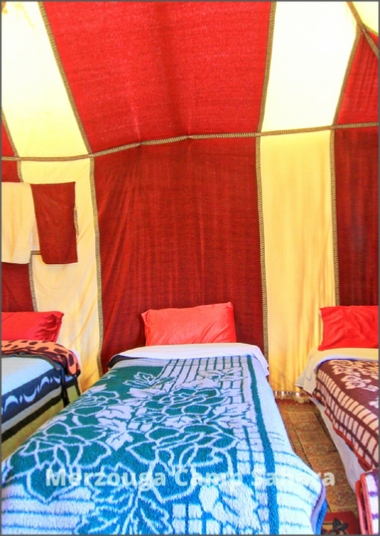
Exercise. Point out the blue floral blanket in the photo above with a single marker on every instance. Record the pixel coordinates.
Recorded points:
(165, 446)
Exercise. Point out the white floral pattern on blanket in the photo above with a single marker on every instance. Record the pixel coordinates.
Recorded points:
(356, 374)
(175, 422)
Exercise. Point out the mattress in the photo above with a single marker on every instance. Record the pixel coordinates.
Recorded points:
(34, 389)
(180, 440)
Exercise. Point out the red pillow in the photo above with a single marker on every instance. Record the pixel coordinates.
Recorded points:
(351, 326)
(31, 325)
(190, 325)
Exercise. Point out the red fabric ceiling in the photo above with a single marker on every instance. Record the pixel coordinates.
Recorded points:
(176, 69)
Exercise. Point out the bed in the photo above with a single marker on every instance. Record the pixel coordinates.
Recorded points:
(36, 383)
(173, 439)
(39, 376)
(342, 377)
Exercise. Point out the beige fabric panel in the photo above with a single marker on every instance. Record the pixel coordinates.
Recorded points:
(369, 13)
(33, 87)
(298, 239)
(305, 81)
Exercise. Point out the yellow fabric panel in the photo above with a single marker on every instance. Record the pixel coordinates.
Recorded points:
(369, 13)
(305, 80)
(297, 221)
(32, 87)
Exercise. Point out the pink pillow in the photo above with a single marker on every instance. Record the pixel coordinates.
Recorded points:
(351, 326)
(31, 325)
(190, 325)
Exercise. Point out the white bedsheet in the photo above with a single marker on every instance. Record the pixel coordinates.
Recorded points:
(187, 351)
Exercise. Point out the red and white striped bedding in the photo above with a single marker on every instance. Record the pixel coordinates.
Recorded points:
(345, 381)
(349, 391)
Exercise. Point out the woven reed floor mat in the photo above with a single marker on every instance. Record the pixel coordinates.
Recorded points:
(312, 442)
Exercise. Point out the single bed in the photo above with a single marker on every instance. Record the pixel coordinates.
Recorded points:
(38, 379)
(342, 377)
(343, 383)
(174, 439)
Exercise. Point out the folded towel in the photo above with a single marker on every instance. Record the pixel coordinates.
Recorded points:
(18, 229)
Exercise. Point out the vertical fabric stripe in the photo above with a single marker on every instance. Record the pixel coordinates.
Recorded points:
(356, 176)
(33, 88)
(333, 218)
(262, 248)
(305, 79)
(270, 465)
(299, 260)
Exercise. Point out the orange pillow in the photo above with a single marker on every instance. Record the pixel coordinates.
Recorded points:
(190, 325)
(31, 325)
(350, 326)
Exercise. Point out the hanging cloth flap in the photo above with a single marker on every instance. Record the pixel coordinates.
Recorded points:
(18, 222)
(54, 205)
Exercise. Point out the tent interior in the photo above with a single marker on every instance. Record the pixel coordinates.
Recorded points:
(190, 153)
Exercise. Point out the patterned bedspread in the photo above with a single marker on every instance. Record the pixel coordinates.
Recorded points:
(350, 393)
(165, 446)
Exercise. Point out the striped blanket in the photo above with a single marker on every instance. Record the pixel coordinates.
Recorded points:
(350, 393)
(345, 381)
(165, 446)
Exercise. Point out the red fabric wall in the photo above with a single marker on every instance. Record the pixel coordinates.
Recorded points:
(356, 169)
(180, 229)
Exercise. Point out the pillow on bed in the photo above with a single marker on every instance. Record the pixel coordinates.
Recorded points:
(189, 325)
(351, 326)
(31, 325)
